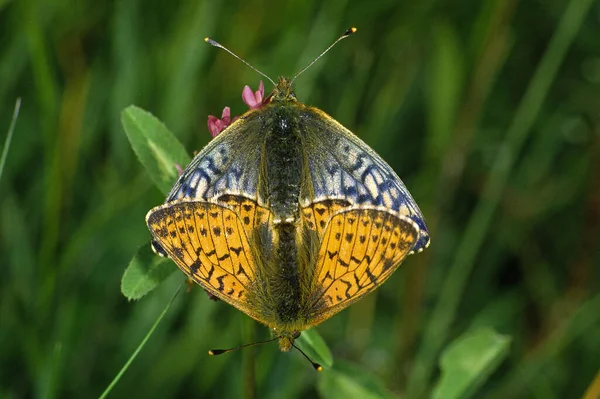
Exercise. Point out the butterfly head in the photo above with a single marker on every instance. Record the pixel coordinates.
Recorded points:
(283, 91)
(286, 339)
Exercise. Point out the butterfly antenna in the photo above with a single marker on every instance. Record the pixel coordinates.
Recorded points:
(317, 366)
(219, 45)
(345, 35)
(215, 352)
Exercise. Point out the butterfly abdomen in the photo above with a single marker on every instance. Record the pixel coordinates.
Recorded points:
(285, 281)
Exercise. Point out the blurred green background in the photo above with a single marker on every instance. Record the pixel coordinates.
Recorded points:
(489, 111)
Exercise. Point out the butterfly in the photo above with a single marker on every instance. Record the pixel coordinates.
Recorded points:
(288, 216)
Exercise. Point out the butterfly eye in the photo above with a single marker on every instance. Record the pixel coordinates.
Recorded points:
(295, 334)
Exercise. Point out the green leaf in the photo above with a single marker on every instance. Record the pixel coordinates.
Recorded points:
(468, 361)
(314, 346)
(349, 381)
(144, 273)
(155, 146)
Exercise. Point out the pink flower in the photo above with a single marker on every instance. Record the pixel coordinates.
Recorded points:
(216, 125)
(253, 100)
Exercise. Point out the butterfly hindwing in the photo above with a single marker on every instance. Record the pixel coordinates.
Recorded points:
(360, 249)
(208, 242)
(318, 214)
(249, 212)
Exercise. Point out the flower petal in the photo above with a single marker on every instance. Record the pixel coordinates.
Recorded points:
(226, 117)
(254, 99)
(215, 126)
(260, 94)
(248, 97)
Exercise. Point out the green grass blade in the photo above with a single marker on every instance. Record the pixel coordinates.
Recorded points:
(476, 230)
(11, 131)
(582, 323)
(140, 346)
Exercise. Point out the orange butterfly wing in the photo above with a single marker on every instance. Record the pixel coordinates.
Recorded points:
(360, 249)
(209, 243)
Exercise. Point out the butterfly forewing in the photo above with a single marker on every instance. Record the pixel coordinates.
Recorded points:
(228, 165)
(208, 242)
(360, 249)
(343, 167)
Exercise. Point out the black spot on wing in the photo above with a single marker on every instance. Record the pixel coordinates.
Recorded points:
(195, 266)
(371, 276)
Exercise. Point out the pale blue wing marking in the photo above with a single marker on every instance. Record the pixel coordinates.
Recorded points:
(342, 166)
(229, 164)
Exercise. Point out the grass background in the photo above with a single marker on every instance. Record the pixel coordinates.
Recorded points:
(489, 111)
